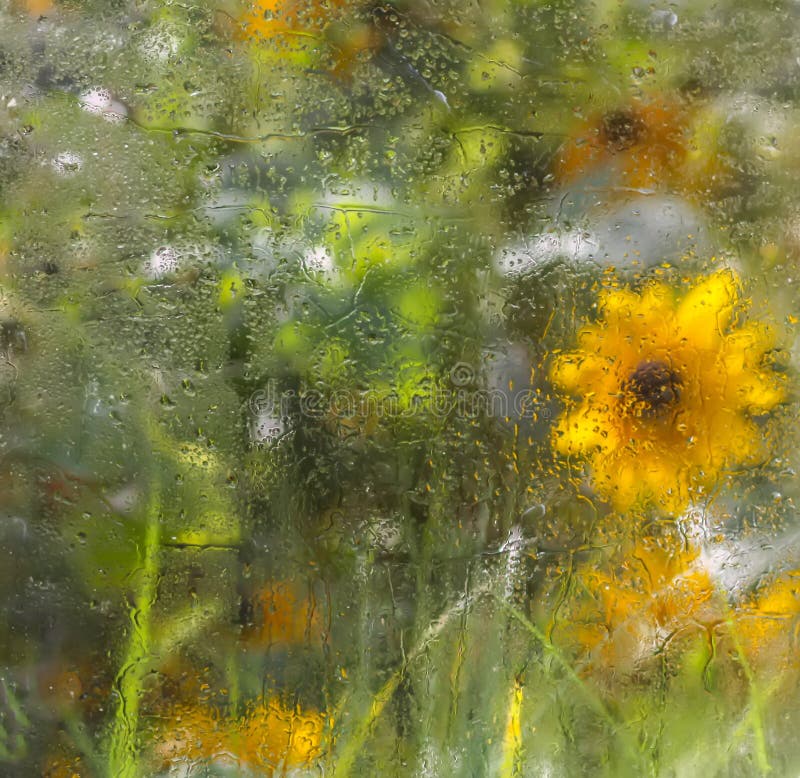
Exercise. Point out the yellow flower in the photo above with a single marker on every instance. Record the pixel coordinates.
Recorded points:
(662, 390)
(621, 612)
(273, 736)
(768, 626)
(270, 737)
(310, 26)
(193, 733)
(36, 7)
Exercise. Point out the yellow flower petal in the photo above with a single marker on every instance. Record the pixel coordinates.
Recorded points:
(752, 340)
(767, 628)
(748, 386)
(782, 596)
(637, 312)
(578, 369)
(661, 475)
(618, 304)
(619, 482)
(756, 392)
(707, 310)
(586, 429)
(729, 440)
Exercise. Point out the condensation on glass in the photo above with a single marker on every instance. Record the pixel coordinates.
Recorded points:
(399, 387)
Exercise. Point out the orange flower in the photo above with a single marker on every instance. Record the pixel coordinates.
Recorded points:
(284, 616)
(36, 7)
(269, 19)
(659, 142)
(299, 26)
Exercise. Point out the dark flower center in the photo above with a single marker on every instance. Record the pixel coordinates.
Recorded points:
(622, 129)
(654, 387)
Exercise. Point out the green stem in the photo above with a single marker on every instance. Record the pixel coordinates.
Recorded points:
(511, 751)
(76, 730)
(184, 627)
(353, 746)
(123, 753)
(594, 701)
(755, 712)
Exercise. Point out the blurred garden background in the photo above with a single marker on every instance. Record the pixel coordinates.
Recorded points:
(399, 388)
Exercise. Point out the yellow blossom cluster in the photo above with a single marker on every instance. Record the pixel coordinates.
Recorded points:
(269, 737)
(662, 391)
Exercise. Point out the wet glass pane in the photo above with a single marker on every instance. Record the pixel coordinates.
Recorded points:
(399, 387)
